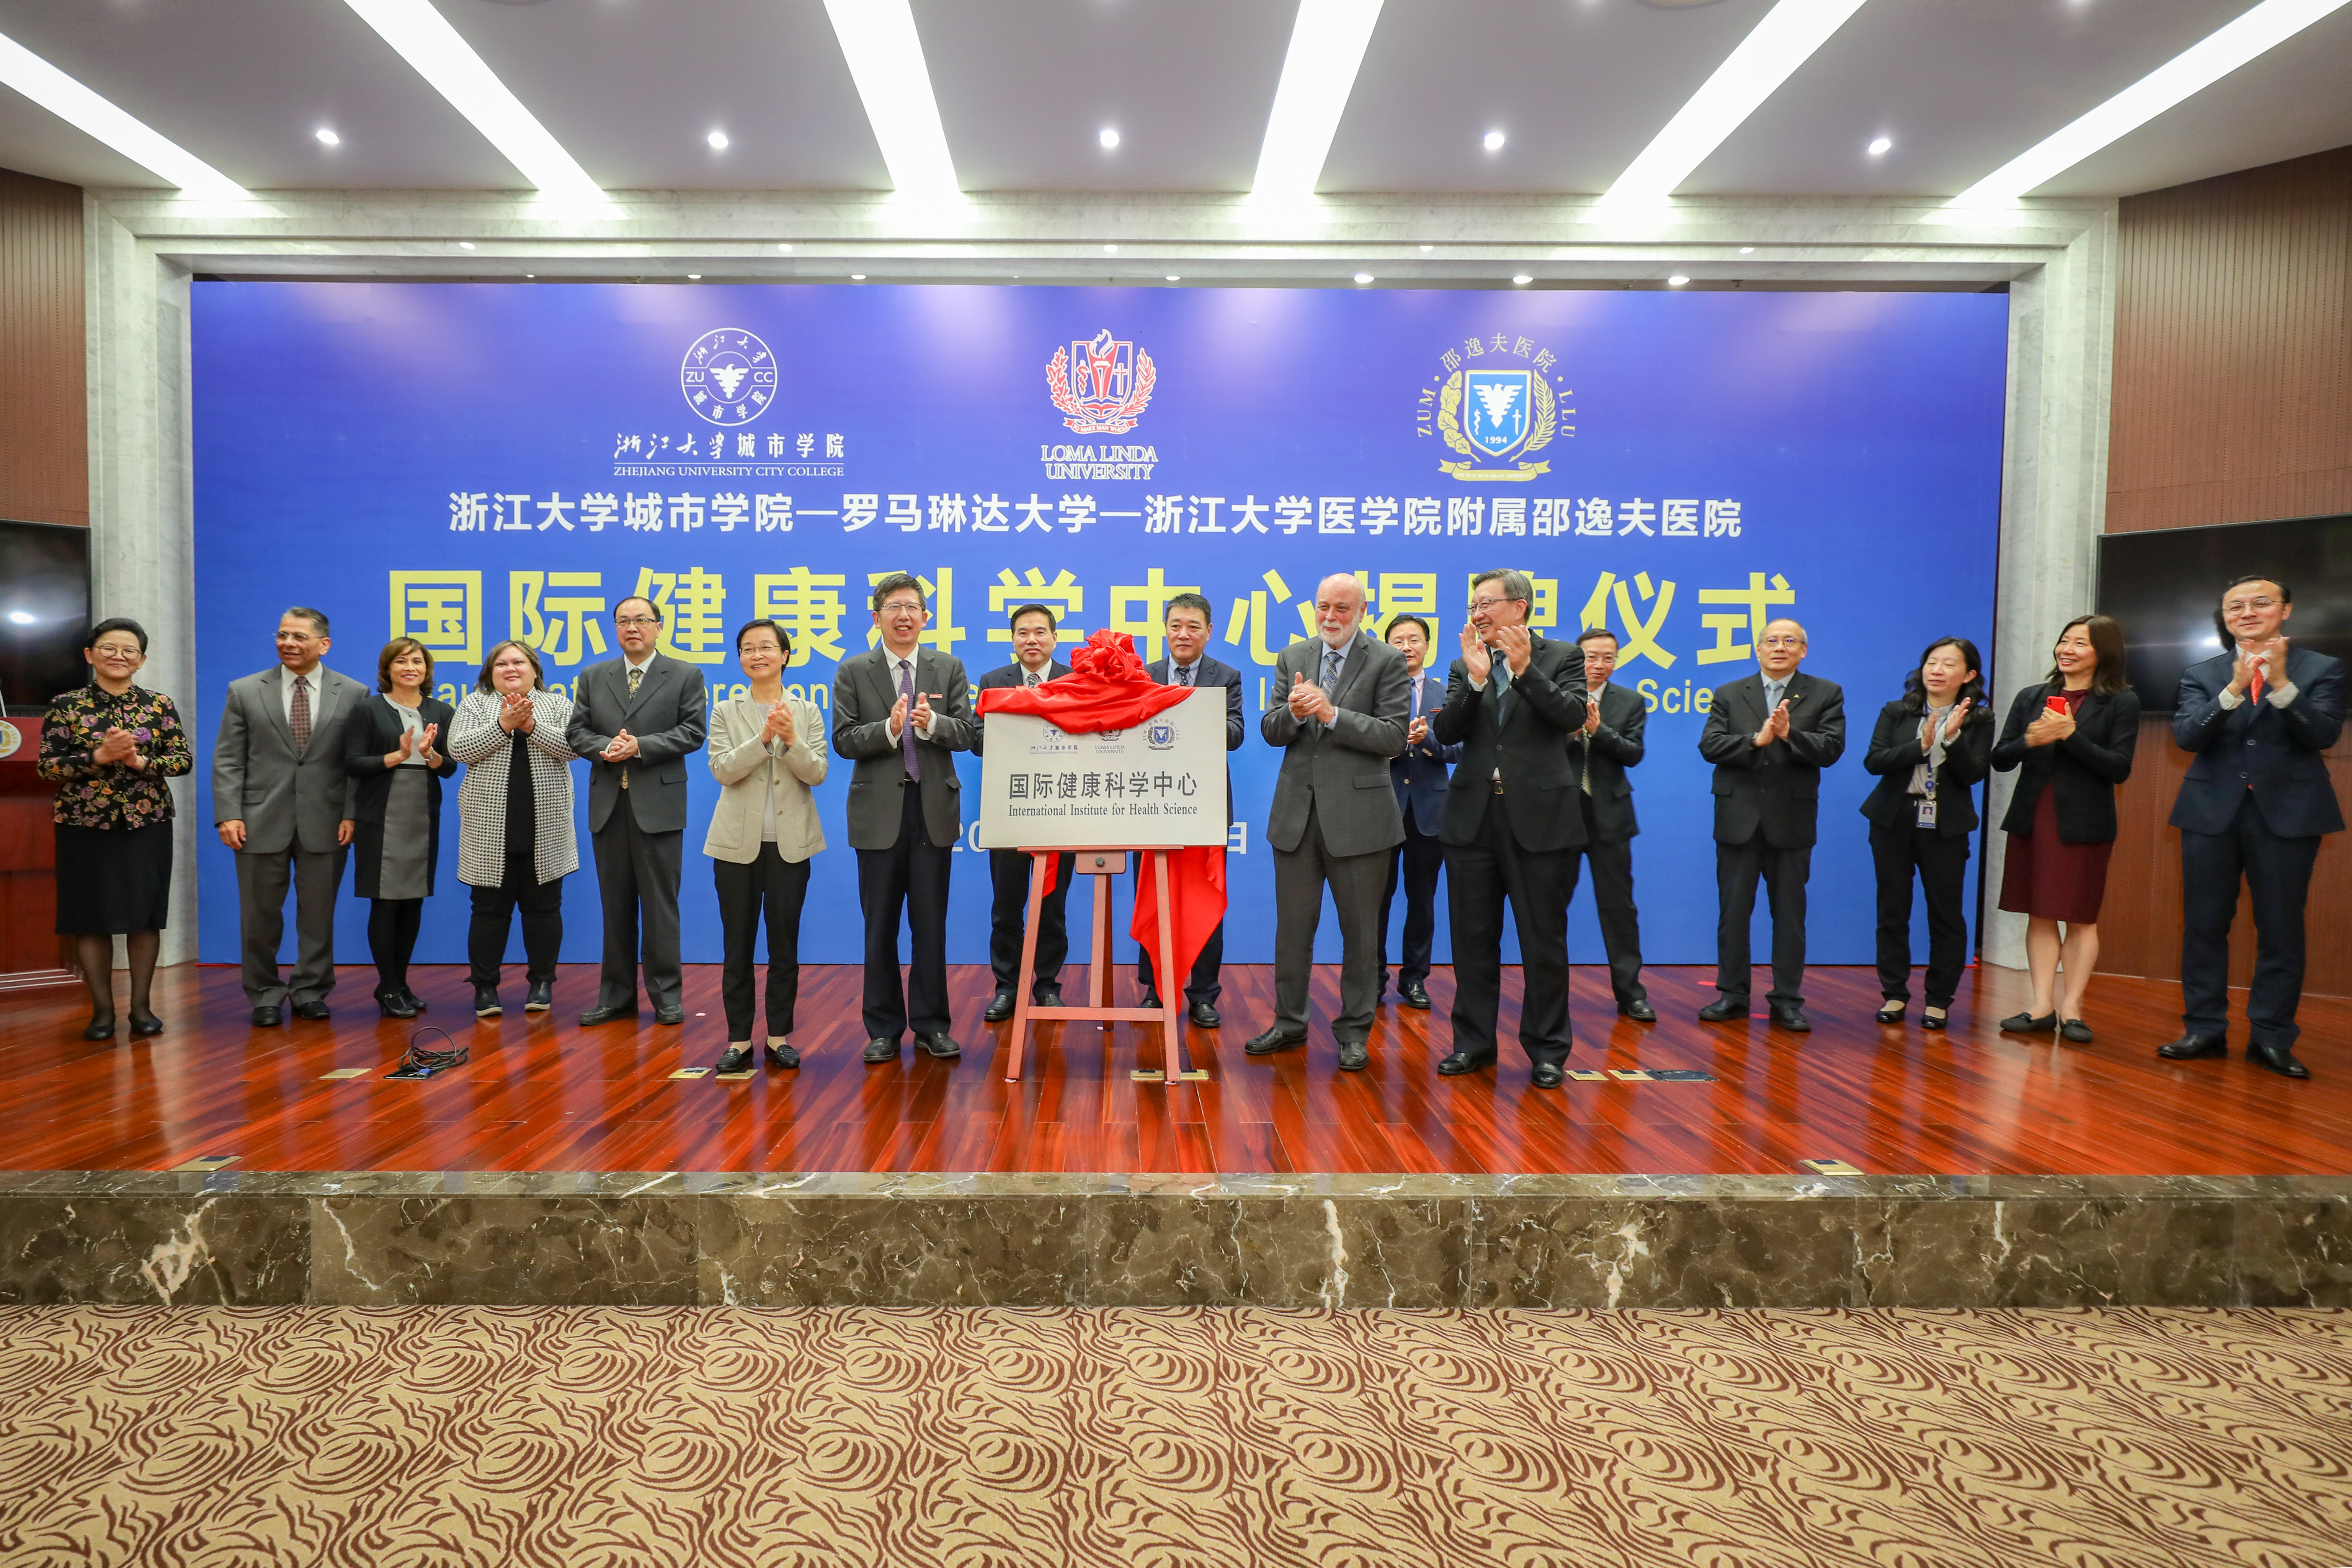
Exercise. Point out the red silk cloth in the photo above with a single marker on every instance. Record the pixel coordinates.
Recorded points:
(1108, 689)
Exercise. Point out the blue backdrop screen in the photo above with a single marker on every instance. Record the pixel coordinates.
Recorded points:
(467, 463)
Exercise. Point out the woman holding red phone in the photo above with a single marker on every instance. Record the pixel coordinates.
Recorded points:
(2071, 738)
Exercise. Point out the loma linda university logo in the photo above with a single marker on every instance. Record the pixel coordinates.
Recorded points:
(1101, 386)
(1494, 414)
(728, 376)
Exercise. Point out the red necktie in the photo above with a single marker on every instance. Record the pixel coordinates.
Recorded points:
(2254, 686)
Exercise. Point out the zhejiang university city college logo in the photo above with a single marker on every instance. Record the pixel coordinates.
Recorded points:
(728, 376)
(1101, 386)
(1494, 412)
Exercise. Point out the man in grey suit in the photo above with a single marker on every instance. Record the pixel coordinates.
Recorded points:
(1335, 818)
(902, 712)
(637, 718)
(282, 801)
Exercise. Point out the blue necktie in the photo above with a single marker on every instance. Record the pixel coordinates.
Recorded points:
(906, 730)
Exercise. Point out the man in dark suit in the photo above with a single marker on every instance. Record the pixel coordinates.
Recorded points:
(901, 711)
(1334, 821)
(1187, 620)
(1769, 735)
(1419, 777)
(2255, 803)
(1512, 700)
(1036, 634)
(282, 801)
(1607, 743)
(637, 718)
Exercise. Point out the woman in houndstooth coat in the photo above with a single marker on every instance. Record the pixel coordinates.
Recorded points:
(515, 838)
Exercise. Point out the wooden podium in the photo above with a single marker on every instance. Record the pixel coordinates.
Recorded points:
(1103, 862)
(30, 954)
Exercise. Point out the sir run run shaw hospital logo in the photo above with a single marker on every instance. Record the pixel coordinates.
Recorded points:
(1102, 387)
(1495, 413)
(728, 376)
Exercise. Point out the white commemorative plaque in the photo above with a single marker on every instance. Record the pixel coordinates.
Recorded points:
(1162, 782)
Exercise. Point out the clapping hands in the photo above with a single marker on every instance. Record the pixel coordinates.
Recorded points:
(116, 745)
(1309, 701)
(515, 714)
(779, 726)
(1776, 727)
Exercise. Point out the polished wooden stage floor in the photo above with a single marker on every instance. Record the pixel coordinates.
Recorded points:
(542, 1093)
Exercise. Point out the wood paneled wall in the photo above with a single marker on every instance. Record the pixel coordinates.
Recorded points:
(43, 364)
(2232, 403)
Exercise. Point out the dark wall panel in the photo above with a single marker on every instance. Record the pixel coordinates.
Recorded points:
(44, 412)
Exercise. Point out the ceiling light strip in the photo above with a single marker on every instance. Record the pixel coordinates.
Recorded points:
(1782, 41)
(2255, 32)
(1327, 48)
(93, 116)
(425, 38)
(886, 61)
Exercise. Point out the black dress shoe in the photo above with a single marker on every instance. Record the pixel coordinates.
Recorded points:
(1723, 1010)
(941, 1045)
(1462, 1062)
(1151, 1000)
(268, 1018)
(737, 1058)
(1892, 1013)
(1353, 1056)
(540, 997)
(412, 998)
(2194, 1048)
(1206, 1016)
(2074, 1029)
(2027, 1024)
(1934, 1020)
(1046, 996)
(599, 1014)
(394, 1004)
(2278, 1059)
(485, 1002)
(1547, 1075)
(669, 1016)
(783, 1057)
(145, 1022)
(1415, 996)
(1273, 1040)
(878, 1049)
(1792, 1019)
(100, 1028)
(1000, 1007)
(1641, 1011)
(314, 1011)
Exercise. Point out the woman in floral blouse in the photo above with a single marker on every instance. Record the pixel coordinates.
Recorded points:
(109, 746)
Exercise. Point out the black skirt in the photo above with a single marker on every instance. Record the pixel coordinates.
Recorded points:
(112, 880)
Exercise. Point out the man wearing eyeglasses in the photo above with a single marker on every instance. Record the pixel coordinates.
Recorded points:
(2254, 805)
(1512, 827)
(1769, 736)
(637, 718)
(282, 801)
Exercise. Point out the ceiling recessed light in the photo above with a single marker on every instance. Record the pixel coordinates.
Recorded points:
(1522, 279)
(1363, 277)
(1676, 281)
(1172, 278)
(1881, 144)
(718, 140)
(1493, 140)
(327, 137)
(783, 247)
(530, 274)
(465, 245)
(857, 278)
(1746, 250)
(1111, 250)
(1427, 248)
(1107, 136)
(694, 277)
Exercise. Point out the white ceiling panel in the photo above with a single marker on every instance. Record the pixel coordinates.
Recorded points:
(1577, 87)
(1025, 88)
(633, 90)
(245, 85)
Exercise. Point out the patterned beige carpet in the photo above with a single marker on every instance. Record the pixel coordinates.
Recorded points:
(589, 1437)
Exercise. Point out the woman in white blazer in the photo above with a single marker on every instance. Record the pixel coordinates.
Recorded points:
(767, 748)
(515, 838)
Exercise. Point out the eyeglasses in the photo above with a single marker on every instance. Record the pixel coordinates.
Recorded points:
(1488, 603)
(1784, 642)
(902, 607)
(112, 650)
(295, 636)
(635, 621)
(2238, 606)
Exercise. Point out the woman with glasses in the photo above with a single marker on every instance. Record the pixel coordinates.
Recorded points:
(767, 749)
(1930, 748)
(391, 750)
(515, 842)
(109, 746)
(2071, 737)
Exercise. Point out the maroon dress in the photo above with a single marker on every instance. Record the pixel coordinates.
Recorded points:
(2043, 877)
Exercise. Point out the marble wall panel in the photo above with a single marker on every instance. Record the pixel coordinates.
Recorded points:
(367, 1250)
(177, 1249)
